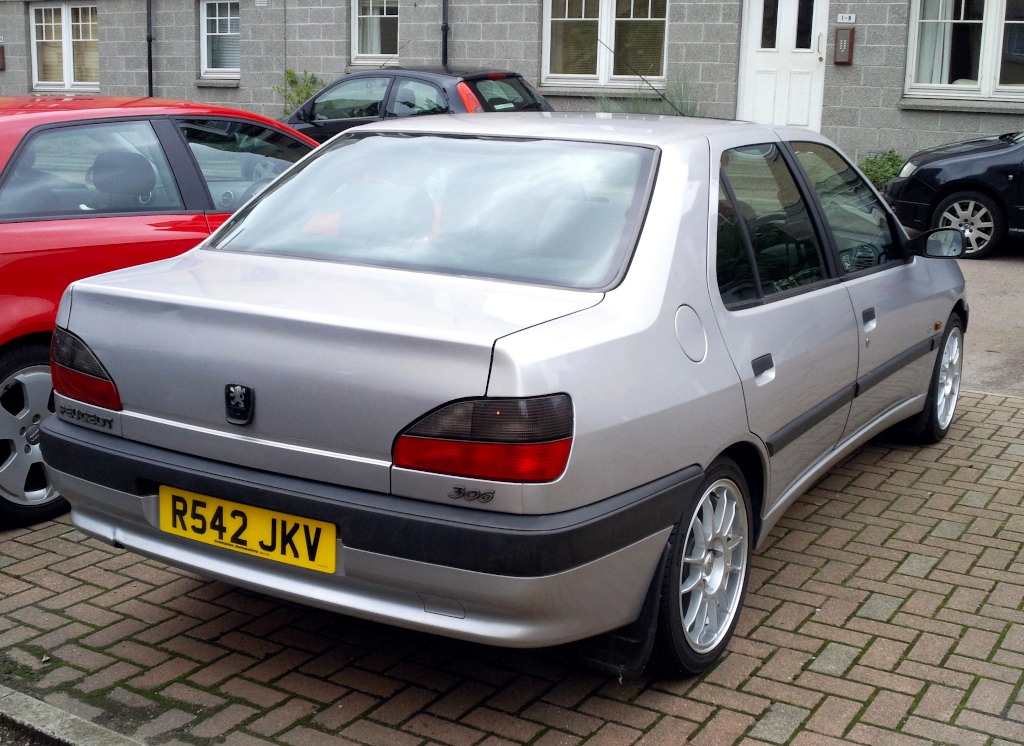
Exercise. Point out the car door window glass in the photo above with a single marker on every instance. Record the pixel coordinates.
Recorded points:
(417, 97)
(90, 169)
(238, 159)
(736, 279)
(858, 221)
(785, 247)
(361, 97)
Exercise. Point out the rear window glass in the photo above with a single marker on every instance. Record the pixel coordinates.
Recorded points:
(506, 94)
(536, 211)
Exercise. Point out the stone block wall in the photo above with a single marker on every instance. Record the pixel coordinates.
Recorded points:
(17, 78)
(865, 110)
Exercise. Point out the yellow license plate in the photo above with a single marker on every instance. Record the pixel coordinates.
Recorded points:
(281, 537)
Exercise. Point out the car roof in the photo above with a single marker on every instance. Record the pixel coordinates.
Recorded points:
(437, 73)
(19, 114)
(639, 129)
(61, 108)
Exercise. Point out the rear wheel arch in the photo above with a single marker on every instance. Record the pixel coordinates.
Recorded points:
(751, 463)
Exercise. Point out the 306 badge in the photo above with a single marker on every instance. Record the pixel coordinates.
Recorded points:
(281, 537)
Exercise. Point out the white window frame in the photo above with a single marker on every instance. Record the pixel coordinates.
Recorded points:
(371, 58)
(67, 40)
(228, 73)
(987, 86)
(605, 75)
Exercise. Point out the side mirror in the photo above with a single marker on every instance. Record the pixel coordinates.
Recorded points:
(941, 242)
(302, 113)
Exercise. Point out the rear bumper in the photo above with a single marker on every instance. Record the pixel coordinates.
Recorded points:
(514, 580)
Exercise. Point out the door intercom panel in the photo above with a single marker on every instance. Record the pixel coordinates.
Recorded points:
(843, 50)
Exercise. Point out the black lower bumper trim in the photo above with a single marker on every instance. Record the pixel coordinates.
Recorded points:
(475, 540)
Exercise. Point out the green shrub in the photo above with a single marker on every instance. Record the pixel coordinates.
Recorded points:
(881, 168)
(297, 89)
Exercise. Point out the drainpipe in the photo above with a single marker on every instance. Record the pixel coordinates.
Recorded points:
(444, 35)
(149, 44)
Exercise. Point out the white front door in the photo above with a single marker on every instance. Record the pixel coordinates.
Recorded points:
(782, 62)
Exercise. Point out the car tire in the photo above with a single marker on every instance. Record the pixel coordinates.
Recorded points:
(26, 494)
(977, 216)
(705, 578)
(932, 424)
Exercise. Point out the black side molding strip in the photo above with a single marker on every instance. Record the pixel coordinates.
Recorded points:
(794, 429)
(892, 365)
(481, 541)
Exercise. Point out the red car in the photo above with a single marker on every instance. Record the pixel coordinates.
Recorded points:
(90, 184)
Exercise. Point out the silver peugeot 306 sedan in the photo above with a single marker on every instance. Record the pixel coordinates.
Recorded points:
(522, 379)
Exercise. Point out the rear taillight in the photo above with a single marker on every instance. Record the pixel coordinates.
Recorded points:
(469, 99)
(78, 374)
(508, 440)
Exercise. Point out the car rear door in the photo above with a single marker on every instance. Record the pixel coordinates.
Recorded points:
(787, 321)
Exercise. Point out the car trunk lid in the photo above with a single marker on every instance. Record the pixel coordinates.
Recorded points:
(339, 358)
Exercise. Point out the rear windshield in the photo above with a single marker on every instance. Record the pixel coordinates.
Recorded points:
(507, 94)
(546, 212)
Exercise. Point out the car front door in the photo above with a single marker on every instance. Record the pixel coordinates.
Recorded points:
(787, 320)
(891, 295)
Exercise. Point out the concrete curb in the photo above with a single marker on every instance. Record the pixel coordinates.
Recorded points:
(34, 715)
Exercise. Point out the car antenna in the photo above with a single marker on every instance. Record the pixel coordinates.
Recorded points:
(644, 79)
(385, 62)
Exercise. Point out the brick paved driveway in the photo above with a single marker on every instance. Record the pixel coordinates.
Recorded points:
(888, 609)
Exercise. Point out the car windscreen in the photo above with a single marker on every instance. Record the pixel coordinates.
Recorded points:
(548, 212)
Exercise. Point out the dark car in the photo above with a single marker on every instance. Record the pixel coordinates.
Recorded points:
(90, 184)
(359, 98)
(972, 185)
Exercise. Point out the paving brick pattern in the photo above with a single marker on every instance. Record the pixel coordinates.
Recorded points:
(887, 609)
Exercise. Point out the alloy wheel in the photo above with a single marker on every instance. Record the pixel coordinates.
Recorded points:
(25, 399)
(714, 566)
(948, 384)
(974, 220)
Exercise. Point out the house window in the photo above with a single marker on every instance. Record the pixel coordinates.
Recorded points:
(374, 30)
(602, 42)
(966, 49)
(220, 43)
(65, 47)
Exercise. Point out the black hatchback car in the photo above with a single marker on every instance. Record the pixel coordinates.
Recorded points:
(972, 185)
(367, 96)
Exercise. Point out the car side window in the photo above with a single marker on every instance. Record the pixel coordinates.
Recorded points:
(775, 219)
(238, 159)
(858, 221)
(417, 97)
(89, 169)
(737, 281)
(360, 97)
